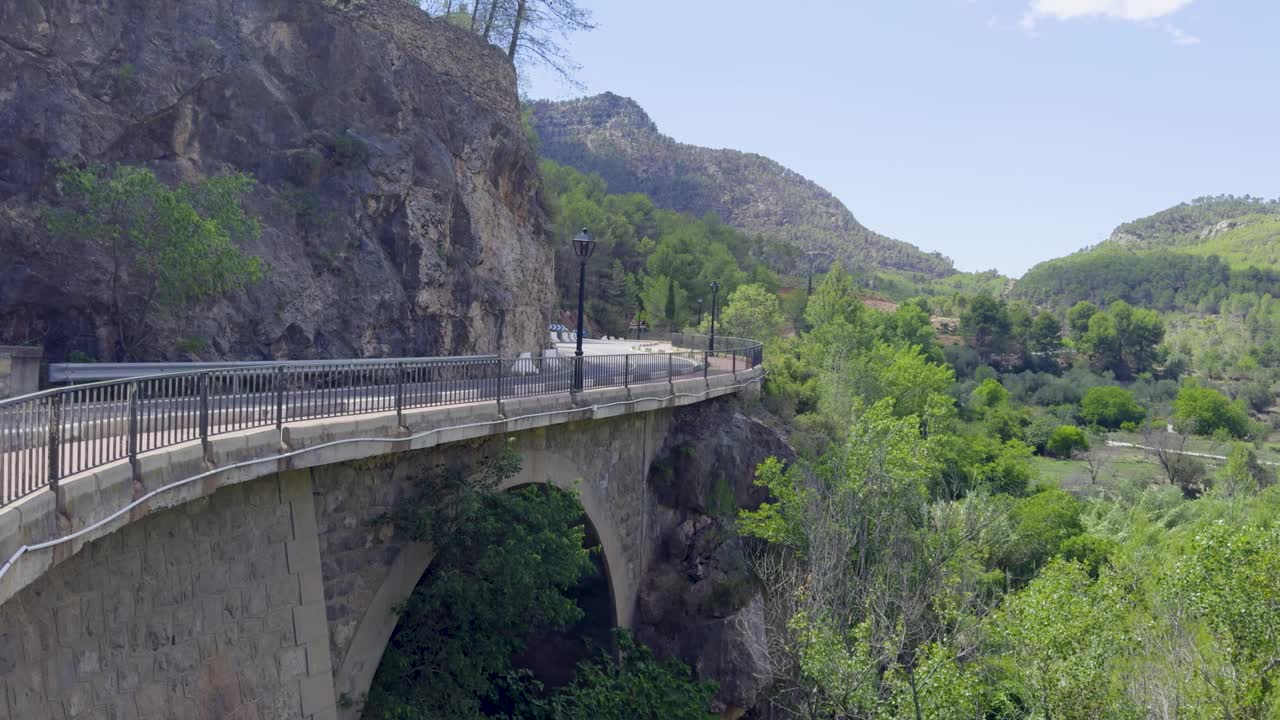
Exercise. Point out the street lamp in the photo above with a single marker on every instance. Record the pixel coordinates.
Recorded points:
(715, 288)
(583, 246)
(699, 312)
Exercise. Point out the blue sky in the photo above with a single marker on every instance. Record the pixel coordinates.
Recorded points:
(999, 132)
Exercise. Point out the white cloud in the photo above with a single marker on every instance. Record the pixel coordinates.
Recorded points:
(1136, 10)
(1180, 36)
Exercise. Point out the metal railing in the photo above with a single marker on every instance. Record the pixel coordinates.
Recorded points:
(51, 435)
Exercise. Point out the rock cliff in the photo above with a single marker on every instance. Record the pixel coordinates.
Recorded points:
(398, 197)
(699, 600)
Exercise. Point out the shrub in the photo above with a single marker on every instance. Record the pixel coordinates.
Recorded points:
(1066, 440)
(1206, 411)
(1111, 407)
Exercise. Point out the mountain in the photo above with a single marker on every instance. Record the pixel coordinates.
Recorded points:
(614, 137)
(1189, 256)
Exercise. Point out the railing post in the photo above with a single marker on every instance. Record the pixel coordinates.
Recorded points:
(400, 394)
(279, 392)
(626, 371)
(706, 365)
(734, 355)
(501, 375)
(670, 361)
(132, 395)
(55, 430)
(204, 415)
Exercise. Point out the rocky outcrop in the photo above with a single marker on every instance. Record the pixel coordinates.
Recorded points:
(699, 601)
(398, 197)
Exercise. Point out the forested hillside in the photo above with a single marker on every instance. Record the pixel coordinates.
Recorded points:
(614, 137)
(1189, 257)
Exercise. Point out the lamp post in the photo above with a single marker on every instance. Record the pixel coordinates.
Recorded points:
(583, 246)
(715, 288)
(699, 312)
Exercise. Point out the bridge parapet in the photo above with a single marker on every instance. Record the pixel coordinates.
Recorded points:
(112, 452)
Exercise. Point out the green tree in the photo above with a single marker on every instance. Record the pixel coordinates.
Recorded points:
(1206, 411)
(986, 325)
(503, 564)
(1110, 407)
(1066, 441)
(1055, 643)
(752, 312)
(1045, 334)
(636, 687)
(167, 248)
(990, 394)
(1078, 318)
(669, 307)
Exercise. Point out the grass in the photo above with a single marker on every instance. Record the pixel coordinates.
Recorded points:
(1126, 468)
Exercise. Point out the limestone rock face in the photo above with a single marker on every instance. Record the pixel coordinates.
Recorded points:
(699, 601)
(398, 197)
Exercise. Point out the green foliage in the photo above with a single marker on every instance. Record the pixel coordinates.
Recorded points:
(986, 325)
(989, 394)
(167, 248)
(1056, 641)
(653, 262)
(1110, 407)
(1066, 441)
(752, 312)
(1206, 411)
(636, 687)
(1123, 340)
(504, 561)
(1041, 523)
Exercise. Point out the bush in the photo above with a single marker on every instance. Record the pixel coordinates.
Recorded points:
(1206, 411)
(1111, 407)
(989, 394)
(1066, 440)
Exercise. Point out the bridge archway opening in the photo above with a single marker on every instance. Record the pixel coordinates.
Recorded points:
(550, 656)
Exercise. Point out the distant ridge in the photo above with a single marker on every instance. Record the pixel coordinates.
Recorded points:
(613, 136)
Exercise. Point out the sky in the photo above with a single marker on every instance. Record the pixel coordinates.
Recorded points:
(999, 132)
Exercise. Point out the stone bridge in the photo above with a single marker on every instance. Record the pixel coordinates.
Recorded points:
(245, 577)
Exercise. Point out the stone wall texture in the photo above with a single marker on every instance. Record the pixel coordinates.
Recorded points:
(211, 610)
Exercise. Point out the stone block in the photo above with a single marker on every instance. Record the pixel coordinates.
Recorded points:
(292, 662)
(317, 694)
(282, 592)
(312, 583)
(319, 661)
(310, 623)
(303, 555)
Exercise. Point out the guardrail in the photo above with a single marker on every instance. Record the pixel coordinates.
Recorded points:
(51, 435)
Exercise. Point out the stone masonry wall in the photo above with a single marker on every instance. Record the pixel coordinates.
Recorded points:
(213, 610)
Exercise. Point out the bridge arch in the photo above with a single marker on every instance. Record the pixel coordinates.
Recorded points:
(539, 467)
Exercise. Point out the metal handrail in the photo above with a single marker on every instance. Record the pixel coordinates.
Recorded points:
(53, 434)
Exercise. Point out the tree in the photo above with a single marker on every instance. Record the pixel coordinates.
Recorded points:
(504, 562)
(167, 248)
(986, 324)
(990, 394)
(1066, 441)
(1140, 332)
(1045, 334)
(1078, 318)
(636, 686)
(1055, 641)
(1110, 407)
(1206, 411)
(752, 312)
(669, 309)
